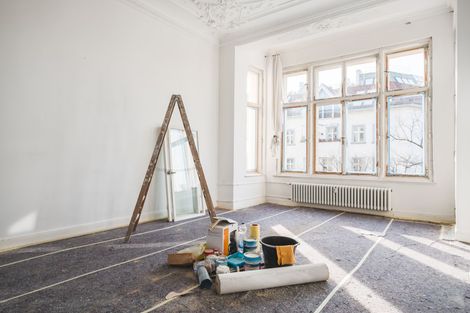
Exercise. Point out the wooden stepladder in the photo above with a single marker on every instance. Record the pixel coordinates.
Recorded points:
(153, 164)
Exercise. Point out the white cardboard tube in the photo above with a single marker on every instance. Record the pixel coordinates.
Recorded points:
(271, 277)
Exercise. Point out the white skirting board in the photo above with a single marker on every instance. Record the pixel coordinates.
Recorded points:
(271, 278)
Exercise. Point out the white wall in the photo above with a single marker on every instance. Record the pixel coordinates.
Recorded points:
(83, 87)
(462, 170)
(236, 188)
(430, 200)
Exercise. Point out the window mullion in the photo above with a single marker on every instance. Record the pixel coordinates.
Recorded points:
(343, 137)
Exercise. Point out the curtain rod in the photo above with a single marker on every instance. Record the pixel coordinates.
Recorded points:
(273, 55)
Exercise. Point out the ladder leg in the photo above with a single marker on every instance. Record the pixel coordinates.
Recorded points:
(150, 171)
(197, 161)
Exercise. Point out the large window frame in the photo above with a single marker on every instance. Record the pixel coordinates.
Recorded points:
(381, 111)
(415, 91)
(286, 168)
(259, 109)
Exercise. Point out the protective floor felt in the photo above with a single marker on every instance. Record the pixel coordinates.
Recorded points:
(409, 270)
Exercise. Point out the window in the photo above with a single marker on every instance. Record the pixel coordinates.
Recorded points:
(361, 144)
(407, 93)
(290, 137)
(328, 82)
(406, 69)
(328, 140)
(290, 163)
(406, 146)
(347, 118)
(349, 101)
(358, 134)
(253, 120)
(295, 117)
(295, 85)
(295, 152)
(361, 77)
(329, 111)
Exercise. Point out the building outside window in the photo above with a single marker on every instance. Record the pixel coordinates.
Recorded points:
(349, 101)
(358, 134)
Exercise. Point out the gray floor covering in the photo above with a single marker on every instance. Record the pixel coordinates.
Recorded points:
(405, 269)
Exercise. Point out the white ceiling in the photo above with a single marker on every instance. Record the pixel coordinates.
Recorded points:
(231, 16)
(247, 20)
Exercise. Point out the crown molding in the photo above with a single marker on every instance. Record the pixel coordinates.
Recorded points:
(237, 14)
(337, 23)
(162, 15)
(344, 10)
(336, 19)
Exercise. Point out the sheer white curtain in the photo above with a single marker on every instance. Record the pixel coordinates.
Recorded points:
(274, 66)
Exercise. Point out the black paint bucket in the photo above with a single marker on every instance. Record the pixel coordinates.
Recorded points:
(269, 245)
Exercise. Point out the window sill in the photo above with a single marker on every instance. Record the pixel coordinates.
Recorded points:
(388, 179)
(253, 174)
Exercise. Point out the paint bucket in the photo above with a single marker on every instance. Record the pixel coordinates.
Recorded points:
(269, 245)
(250, 243)
(252, 261)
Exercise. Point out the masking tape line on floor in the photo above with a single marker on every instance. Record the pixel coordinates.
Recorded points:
(351, 273)
(298, 235)
(106, 241)
(127, 262)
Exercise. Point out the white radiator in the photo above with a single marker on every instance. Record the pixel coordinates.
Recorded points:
(369, 198)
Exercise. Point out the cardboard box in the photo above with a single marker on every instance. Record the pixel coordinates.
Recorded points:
(221, 233)
(180, 259)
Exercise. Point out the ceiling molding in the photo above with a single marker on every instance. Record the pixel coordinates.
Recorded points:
(228, 15)
(161, 15)
(341, 11)
(352, 20)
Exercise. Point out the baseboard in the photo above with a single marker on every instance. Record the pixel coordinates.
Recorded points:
(15, 242)
(398, 214)
(240, 204)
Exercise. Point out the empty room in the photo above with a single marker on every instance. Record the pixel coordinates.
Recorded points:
(235, 156)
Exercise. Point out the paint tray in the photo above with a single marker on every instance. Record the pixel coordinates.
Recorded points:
(236, 260)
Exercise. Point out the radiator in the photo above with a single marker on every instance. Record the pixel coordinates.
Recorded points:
(368, 198)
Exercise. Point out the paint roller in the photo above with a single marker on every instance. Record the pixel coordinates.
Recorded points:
(271, 278)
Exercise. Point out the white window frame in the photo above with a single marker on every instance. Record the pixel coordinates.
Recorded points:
(288, 105)
(342, 100)
(259, 106)
(380, 138)
(426, 91)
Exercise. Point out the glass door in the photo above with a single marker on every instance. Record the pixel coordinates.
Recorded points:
(184, 188)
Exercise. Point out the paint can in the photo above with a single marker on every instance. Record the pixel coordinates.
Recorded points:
(220, 261)
(252, 261)
(250, 243)
(203, 278)
(255, 232)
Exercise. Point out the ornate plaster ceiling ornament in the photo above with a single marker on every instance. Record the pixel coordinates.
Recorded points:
(230, 14)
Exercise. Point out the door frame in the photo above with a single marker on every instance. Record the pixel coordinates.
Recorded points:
(172, 216)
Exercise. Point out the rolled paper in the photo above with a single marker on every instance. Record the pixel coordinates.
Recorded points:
(270, 278)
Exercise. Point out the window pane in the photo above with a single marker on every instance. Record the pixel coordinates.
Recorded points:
(252, 86)
(406, 69)
(361, 77)
(360, 137)
(295, 85)
(328, 138)
(251, 139)
(406, 135)
(294, 158)
(328, 82)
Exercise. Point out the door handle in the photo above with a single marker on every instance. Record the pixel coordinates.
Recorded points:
(170, 172)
